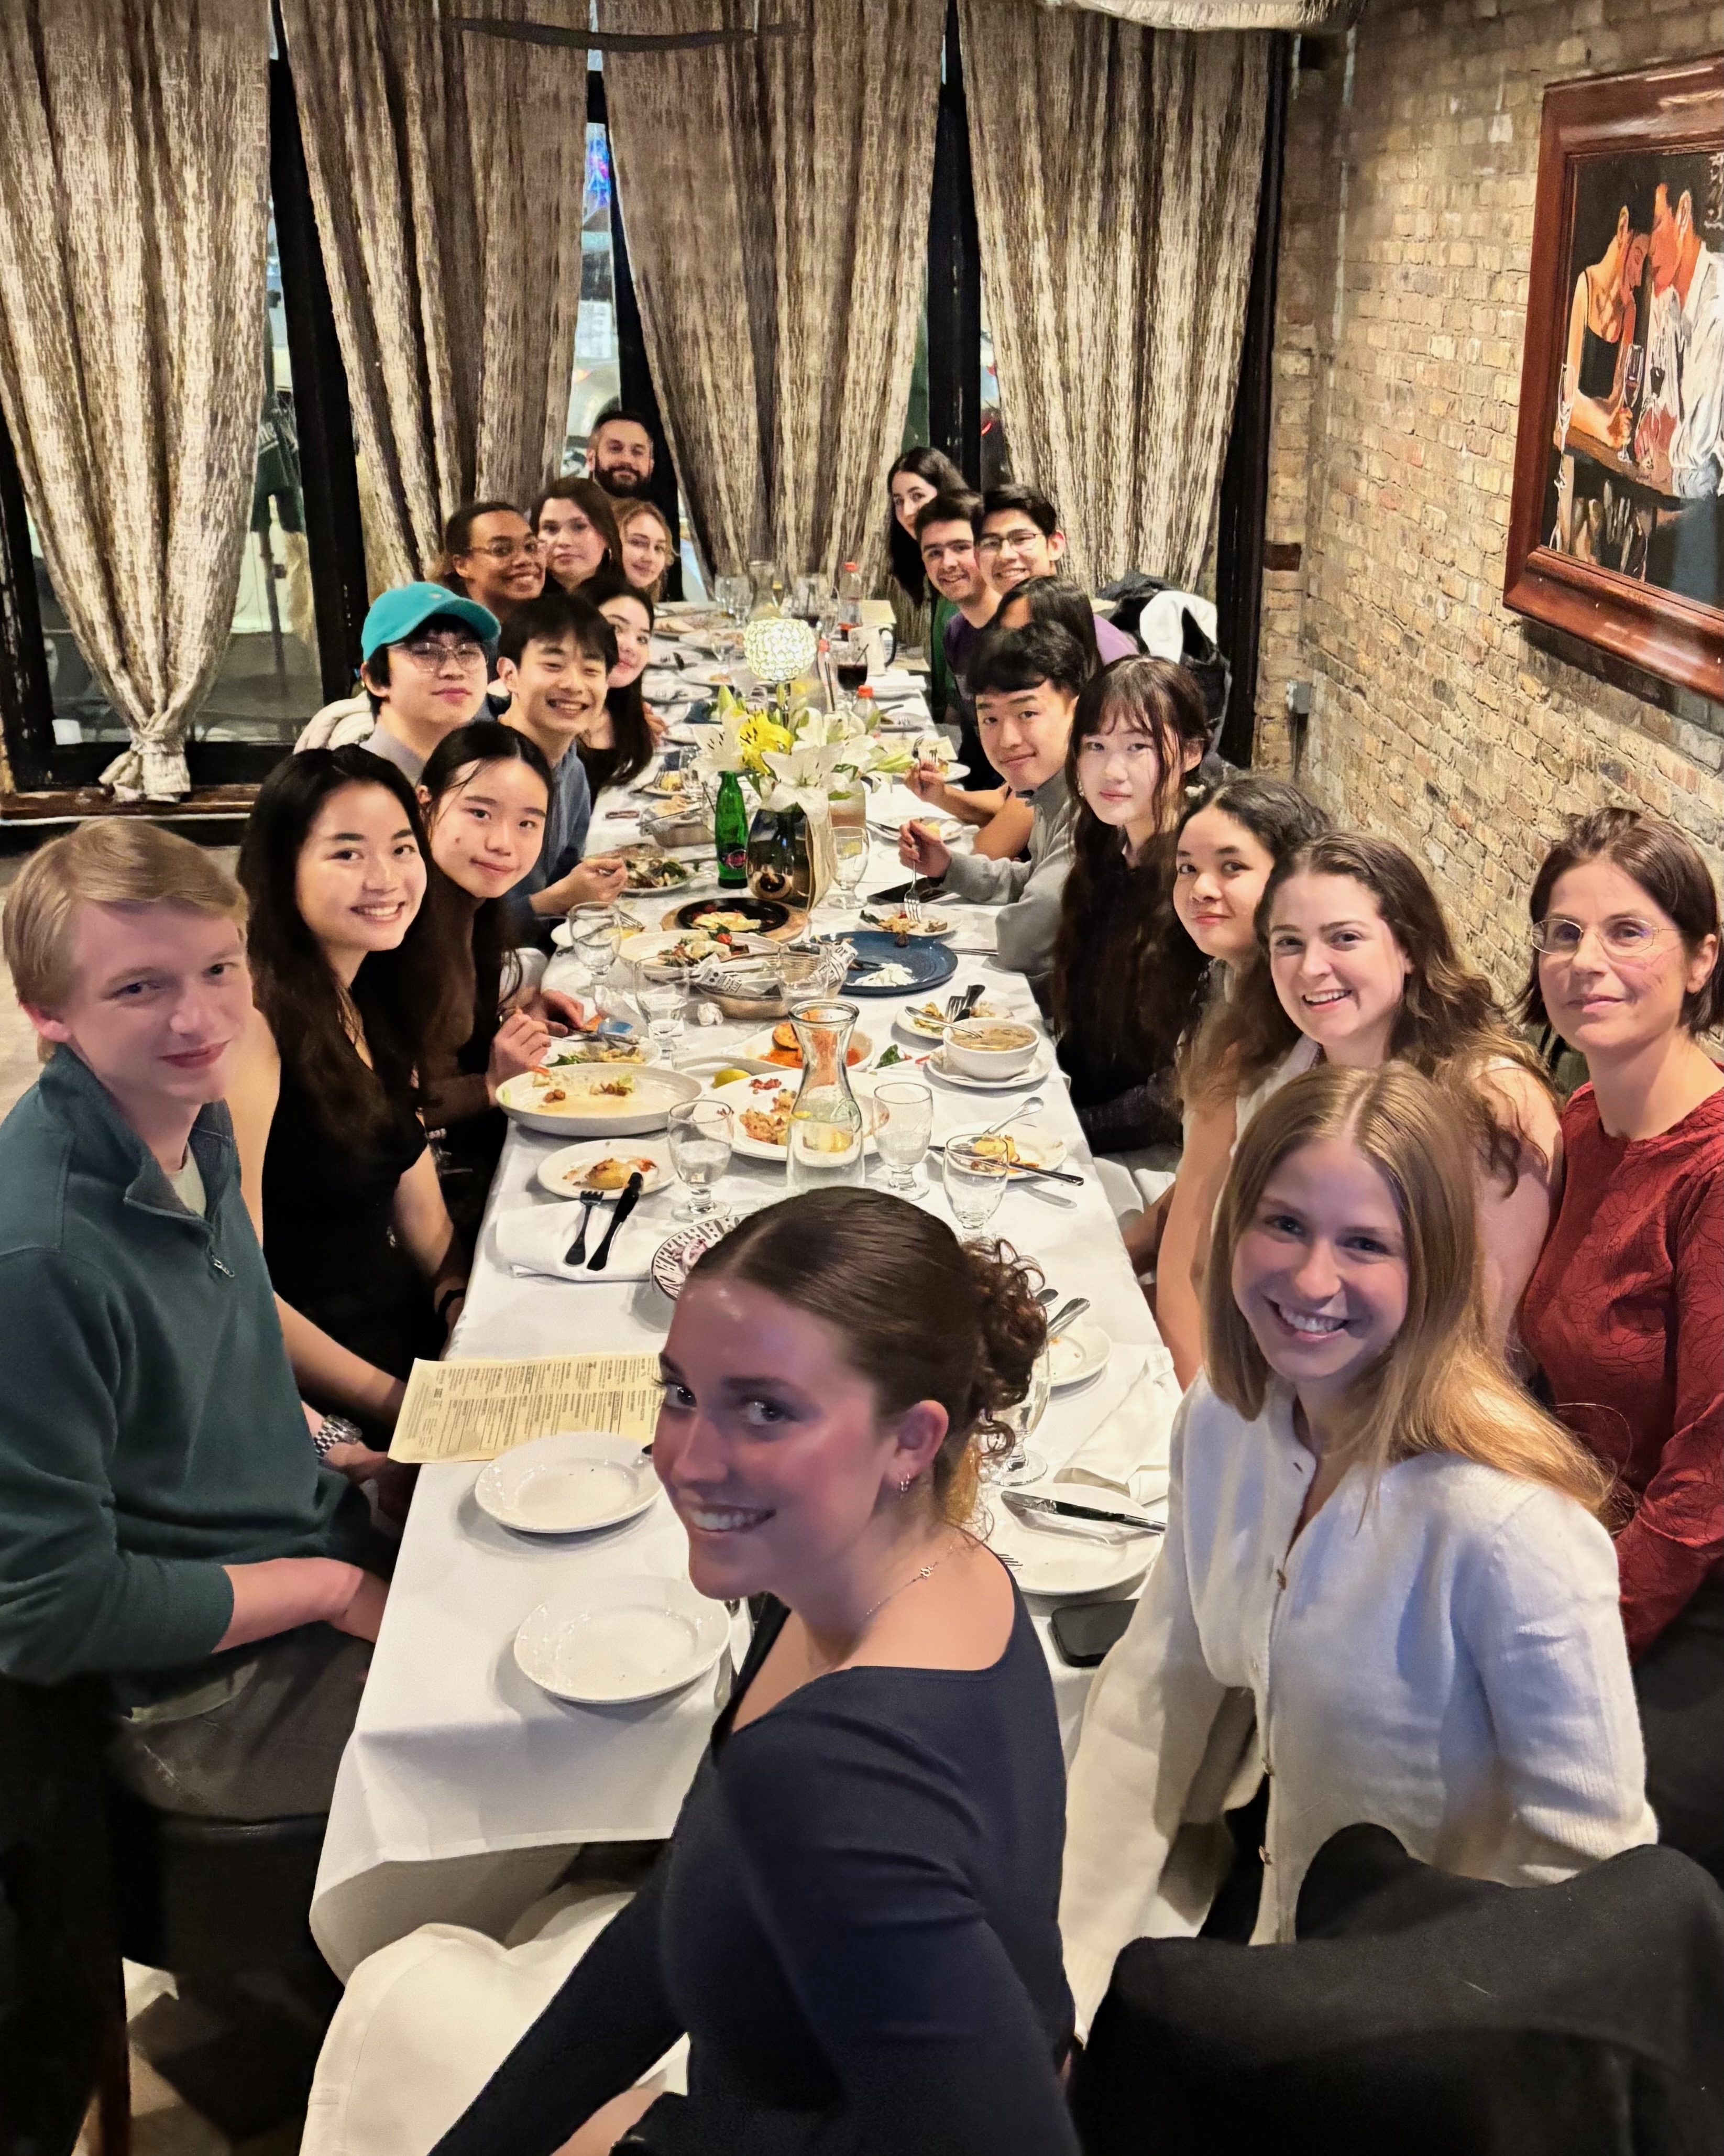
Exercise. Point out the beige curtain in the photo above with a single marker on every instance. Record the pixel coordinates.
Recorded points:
(447, 170)
(775, 190)
(134, 204)
(1328, 15)
(1117, 171)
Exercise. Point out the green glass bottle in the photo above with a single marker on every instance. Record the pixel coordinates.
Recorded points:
(730, 831)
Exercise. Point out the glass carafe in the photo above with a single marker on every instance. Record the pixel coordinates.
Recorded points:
(826, 1125)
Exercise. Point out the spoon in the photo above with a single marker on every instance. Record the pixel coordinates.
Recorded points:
(1023, 1108)
(1066, 1312)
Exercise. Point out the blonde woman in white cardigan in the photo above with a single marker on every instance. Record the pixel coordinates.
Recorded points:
(1385, 1594)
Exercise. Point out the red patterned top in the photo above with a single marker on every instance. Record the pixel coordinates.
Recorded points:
(1625, 1313)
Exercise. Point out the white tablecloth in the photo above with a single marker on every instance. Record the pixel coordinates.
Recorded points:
(463, 1786)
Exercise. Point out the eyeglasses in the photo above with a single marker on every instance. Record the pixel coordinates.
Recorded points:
(1557, 937)
(992, 541)
(439, 650)
(505, 549)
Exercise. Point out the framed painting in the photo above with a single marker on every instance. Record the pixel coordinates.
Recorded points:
(1616, 530)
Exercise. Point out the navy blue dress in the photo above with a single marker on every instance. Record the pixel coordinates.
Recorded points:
(855, 1924)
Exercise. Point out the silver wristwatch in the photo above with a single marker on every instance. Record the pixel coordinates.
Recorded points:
(333, 1431)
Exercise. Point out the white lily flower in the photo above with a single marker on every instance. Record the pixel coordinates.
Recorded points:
(804, 776)
(723, 751)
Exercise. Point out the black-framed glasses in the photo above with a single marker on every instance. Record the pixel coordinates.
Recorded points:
(1627, 936)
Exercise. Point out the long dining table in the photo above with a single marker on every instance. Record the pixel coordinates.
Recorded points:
(465, 1789)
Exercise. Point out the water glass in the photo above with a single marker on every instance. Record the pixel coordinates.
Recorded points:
(702, 1135)
(663, 993)
(1020, 1465)
(903, 1122)
(594, 933)
(975, 1183)
(849, 861)
(736, 595)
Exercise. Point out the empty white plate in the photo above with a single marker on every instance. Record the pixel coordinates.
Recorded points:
(620, 1640)
(568, 1484)
(1067, 1560)
(1079, 1353)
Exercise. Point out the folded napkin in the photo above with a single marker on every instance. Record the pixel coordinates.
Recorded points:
(1129, 1452)
(531, 1239)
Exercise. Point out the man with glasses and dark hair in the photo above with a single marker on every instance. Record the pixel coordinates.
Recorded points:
(425, 665)
(1020, 538)
(619, 454)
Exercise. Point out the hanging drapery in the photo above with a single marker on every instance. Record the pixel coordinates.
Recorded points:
(775, 190)
(133, 221)
(447, 172)
(1117, 172)
(1328, 15)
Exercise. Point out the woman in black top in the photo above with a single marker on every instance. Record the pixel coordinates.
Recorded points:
(1127, 980)
(485, 792)
(352, 984)
(622, 741)
(854, 1922)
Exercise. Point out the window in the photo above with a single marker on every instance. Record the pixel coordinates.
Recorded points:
(598, 378)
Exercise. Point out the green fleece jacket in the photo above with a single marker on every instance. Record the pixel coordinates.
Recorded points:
(151, 1429)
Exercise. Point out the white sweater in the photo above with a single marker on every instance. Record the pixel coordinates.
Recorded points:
(1447, 1662)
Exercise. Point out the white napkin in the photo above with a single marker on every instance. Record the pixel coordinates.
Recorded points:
(531, 1239)
(1129, 1452)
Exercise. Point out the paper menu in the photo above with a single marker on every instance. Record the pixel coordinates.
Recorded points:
(475, 1408)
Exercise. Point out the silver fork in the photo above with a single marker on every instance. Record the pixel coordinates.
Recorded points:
(577, 1249)
(913, 906)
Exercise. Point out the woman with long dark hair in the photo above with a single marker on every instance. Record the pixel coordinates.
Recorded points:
(917, 476)
(622, 739)
(575, 523)
(485, 793)
(351, 976)
(1128, 979)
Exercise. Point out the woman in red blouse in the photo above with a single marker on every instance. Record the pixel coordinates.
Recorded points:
(1625, 1311)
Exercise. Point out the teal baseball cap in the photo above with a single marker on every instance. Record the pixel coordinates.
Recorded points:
(397, 614)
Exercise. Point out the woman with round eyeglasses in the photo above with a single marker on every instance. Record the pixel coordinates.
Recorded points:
(577, 529)
(490, 553)
(1625, 1309)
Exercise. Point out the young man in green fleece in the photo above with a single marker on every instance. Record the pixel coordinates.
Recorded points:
(167, 1517)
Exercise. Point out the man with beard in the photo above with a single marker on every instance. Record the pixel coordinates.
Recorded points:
(619, 454)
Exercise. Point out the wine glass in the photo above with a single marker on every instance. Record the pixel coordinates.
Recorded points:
(975, 1183)
(903, 1122)
(1020, 1465)
(702, 1135)
(663, 993)
(736, 595)
(849, 660)
(1633, 366)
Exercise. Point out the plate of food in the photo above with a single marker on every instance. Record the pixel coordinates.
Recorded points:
(1041, 1067)
(568, 1484)
(1076, 1355)
(928, 1021)
(669, 786)
(598, 1048)
(761, 1104)
(931, 928)
(577, 1101)
(884, 967)
(778, 1046)
(666, 947)
(610, 1641)
(657, 871)
(599, 1165)
(1025, 1145)
(678, 1254)
(734, 912)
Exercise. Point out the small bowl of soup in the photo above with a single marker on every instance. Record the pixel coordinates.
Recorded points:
(990, 1047)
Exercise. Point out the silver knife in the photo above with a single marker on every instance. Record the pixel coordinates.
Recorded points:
(1024, 1174)
(625, 1205)
(1021, 1501)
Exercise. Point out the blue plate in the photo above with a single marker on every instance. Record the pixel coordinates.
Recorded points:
(928, 964)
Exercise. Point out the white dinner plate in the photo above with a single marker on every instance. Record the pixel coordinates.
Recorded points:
(757, 1095)
(934, 929)
(614, 1640)
(585, 1111)
(678, 1254)
(1039, 1068)
(913, 1022)
(1077, 1354)
(563, 1172)
(1058, 1560)
(761, 1046)
(568, 1484)
(1038, 1146)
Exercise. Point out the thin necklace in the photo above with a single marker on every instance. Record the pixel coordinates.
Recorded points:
(914, 1579)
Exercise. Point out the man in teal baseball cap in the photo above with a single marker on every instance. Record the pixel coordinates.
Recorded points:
(426, 654)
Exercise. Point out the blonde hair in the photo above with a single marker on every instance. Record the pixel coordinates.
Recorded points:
(630, 512)
(1437, 1387)
(123, 862)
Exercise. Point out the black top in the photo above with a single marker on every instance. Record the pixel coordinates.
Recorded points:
(329, 1198)
(856, 1925)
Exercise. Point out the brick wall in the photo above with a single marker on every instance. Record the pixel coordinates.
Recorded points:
(1438, 717)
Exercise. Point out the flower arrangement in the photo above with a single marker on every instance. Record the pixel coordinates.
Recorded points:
(792, 755)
